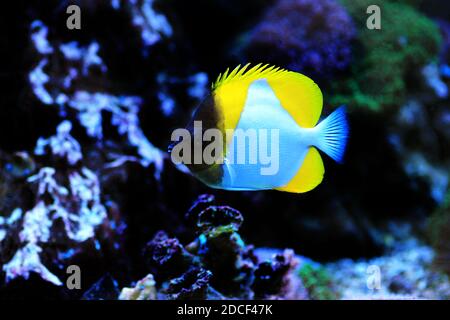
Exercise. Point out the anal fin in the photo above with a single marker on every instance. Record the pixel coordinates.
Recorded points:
(309, 176)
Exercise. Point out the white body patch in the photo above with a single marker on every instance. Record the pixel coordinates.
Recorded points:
(263, 110)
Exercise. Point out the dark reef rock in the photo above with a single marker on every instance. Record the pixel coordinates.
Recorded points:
(222, 250)
(104, 289)
(192, 285)
(214, 217)
(274, 277)
(217, 263)
(439, 234)
(166, 257)
(57, 218)
(400, 285)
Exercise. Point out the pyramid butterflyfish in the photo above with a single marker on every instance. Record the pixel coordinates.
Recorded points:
(259, 129)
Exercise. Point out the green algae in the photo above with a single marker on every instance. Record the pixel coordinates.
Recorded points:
(385, 58)
(318, 282)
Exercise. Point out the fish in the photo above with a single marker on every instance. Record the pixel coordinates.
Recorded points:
(260, 124)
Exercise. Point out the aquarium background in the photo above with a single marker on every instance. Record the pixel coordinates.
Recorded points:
(85, 179)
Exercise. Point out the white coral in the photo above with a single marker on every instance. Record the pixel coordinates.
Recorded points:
(144, 290)
(62, 144)
(27, 260)
(78, 205)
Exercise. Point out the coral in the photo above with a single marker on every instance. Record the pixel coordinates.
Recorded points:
(313, 37)
(423, 156)
(197, 85)
(192, 285)
(273, 278)
(90, 107)
(214, 217)
(27, 260)
(62, 145)
(85, 180)
(378, 80)
(221, 248)
(318, 282)
(144, 290)
(5, 222)
(405, 271)
(65, 203)
(123, 110)
(217, 264)
(433, 79)
(166, 257)
(75, 202)
(152, 24)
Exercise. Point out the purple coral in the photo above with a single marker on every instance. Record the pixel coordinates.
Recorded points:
(311, 36)
(166, 257)
(192, 285)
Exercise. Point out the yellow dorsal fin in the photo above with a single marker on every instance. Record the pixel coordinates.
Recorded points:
(231, 88)
(309, 176)
(298, 94)
(238, 74)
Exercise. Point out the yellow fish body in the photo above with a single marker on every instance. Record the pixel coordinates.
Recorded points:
(280, 110)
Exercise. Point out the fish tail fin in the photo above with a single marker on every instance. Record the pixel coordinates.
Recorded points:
(333, 134)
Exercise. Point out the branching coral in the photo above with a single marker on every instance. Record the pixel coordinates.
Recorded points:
(124, 116)
(406, 42)
(75, 202)
(61, 213)
(153, 25)
(62, 145)
(90, 107)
